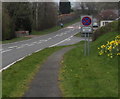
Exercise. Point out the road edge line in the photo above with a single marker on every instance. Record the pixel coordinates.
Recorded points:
(18, 61)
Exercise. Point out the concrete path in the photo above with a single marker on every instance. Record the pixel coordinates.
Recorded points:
(45, 83)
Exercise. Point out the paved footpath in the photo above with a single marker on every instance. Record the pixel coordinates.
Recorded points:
(45, 83)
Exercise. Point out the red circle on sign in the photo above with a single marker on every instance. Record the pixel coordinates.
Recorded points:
(86, 21)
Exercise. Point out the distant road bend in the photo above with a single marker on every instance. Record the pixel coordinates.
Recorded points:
(14, 52)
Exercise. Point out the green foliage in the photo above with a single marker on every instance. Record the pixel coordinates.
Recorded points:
(16, 16)
(22, 16)
(7, 26)
(111, 27)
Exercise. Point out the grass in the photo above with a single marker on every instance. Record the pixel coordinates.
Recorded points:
(78, 35)
(17, 78)
(111, 27)
(15, 40)
(89, 76)
(53, 29)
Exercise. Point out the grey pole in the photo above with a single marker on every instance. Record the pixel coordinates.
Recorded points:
(85, 46)
(88, 44)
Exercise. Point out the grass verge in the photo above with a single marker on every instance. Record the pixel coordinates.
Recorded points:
(15, 40)
(53, 29)
(89, 76)
(78, 35)
(17, 78)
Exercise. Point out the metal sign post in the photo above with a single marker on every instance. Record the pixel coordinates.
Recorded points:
(88, 44)
(85, 45)
(86, 28)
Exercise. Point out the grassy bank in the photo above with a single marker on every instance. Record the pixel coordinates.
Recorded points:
(15, 40)
(17, 78)
(53, 29)
(111, 27)
(89, 76)
(78, 35)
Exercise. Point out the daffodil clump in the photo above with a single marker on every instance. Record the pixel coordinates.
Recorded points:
(111, 49)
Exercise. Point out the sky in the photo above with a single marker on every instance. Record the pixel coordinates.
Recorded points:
(59, 0)
(91, 0)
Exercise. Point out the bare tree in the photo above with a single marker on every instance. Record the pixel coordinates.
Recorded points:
(44, 15)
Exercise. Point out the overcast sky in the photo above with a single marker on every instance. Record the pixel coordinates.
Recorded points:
(59, 0)
(91, 0)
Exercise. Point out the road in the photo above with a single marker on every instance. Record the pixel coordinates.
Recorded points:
(13, 52)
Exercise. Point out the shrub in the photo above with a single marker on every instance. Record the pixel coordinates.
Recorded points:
(8, 31)
(111, 27)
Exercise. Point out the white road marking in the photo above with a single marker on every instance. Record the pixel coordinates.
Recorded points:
(55, 35)
(17, 42)
(12, 47)
(30, 44)
(70, 27)
(61, 41)
(68, 39)
(11, 64)
(20, 59)
(42, 40)
(7, 67)
(49, 38)
(59, 35)
(17, 61)
(26, 44)
(39, 42)
(1, 49)
(38, 50)
(29, 54)
(18, 47)
(23, 45)
(65, 33)
(6, 50)
(34, 42)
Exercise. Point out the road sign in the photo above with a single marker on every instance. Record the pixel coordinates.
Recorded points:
(86, 20)
(86, 24)
(86, 28)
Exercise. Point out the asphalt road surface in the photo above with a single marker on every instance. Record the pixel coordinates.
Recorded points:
(14, 52)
